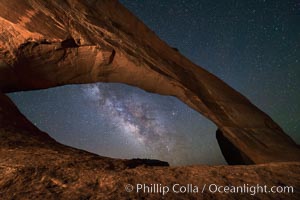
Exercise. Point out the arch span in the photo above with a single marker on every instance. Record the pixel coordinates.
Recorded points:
(48, 43)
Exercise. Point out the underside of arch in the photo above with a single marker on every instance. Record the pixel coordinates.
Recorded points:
(53, 43)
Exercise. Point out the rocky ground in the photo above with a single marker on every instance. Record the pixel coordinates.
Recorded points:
(59, 172)
(34, 166)
(48, 170)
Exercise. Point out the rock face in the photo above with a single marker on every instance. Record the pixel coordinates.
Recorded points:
(49, 43)
(34, 166)
(52, 43)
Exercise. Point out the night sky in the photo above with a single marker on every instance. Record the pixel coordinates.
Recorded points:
(254, 46)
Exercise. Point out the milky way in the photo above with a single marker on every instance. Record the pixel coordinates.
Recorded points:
(135, 118)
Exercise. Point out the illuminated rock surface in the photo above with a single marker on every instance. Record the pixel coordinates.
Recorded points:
(50, 43)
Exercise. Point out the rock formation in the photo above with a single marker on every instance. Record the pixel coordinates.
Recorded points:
(46, 44)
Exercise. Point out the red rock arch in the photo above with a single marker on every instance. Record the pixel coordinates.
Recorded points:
(48, 44)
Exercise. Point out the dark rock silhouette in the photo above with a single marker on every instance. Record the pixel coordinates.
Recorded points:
(231, 154)
(69, 43)
(147, 162)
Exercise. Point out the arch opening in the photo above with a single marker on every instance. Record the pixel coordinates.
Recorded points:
(121, 121)
(110, 49)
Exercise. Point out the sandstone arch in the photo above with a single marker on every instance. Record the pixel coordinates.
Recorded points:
(49, 43)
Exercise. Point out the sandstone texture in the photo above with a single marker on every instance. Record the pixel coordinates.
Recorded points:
(48, 43)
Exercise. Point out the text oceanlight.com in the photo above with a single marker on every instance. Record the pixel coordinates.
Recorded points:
(211, 188)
